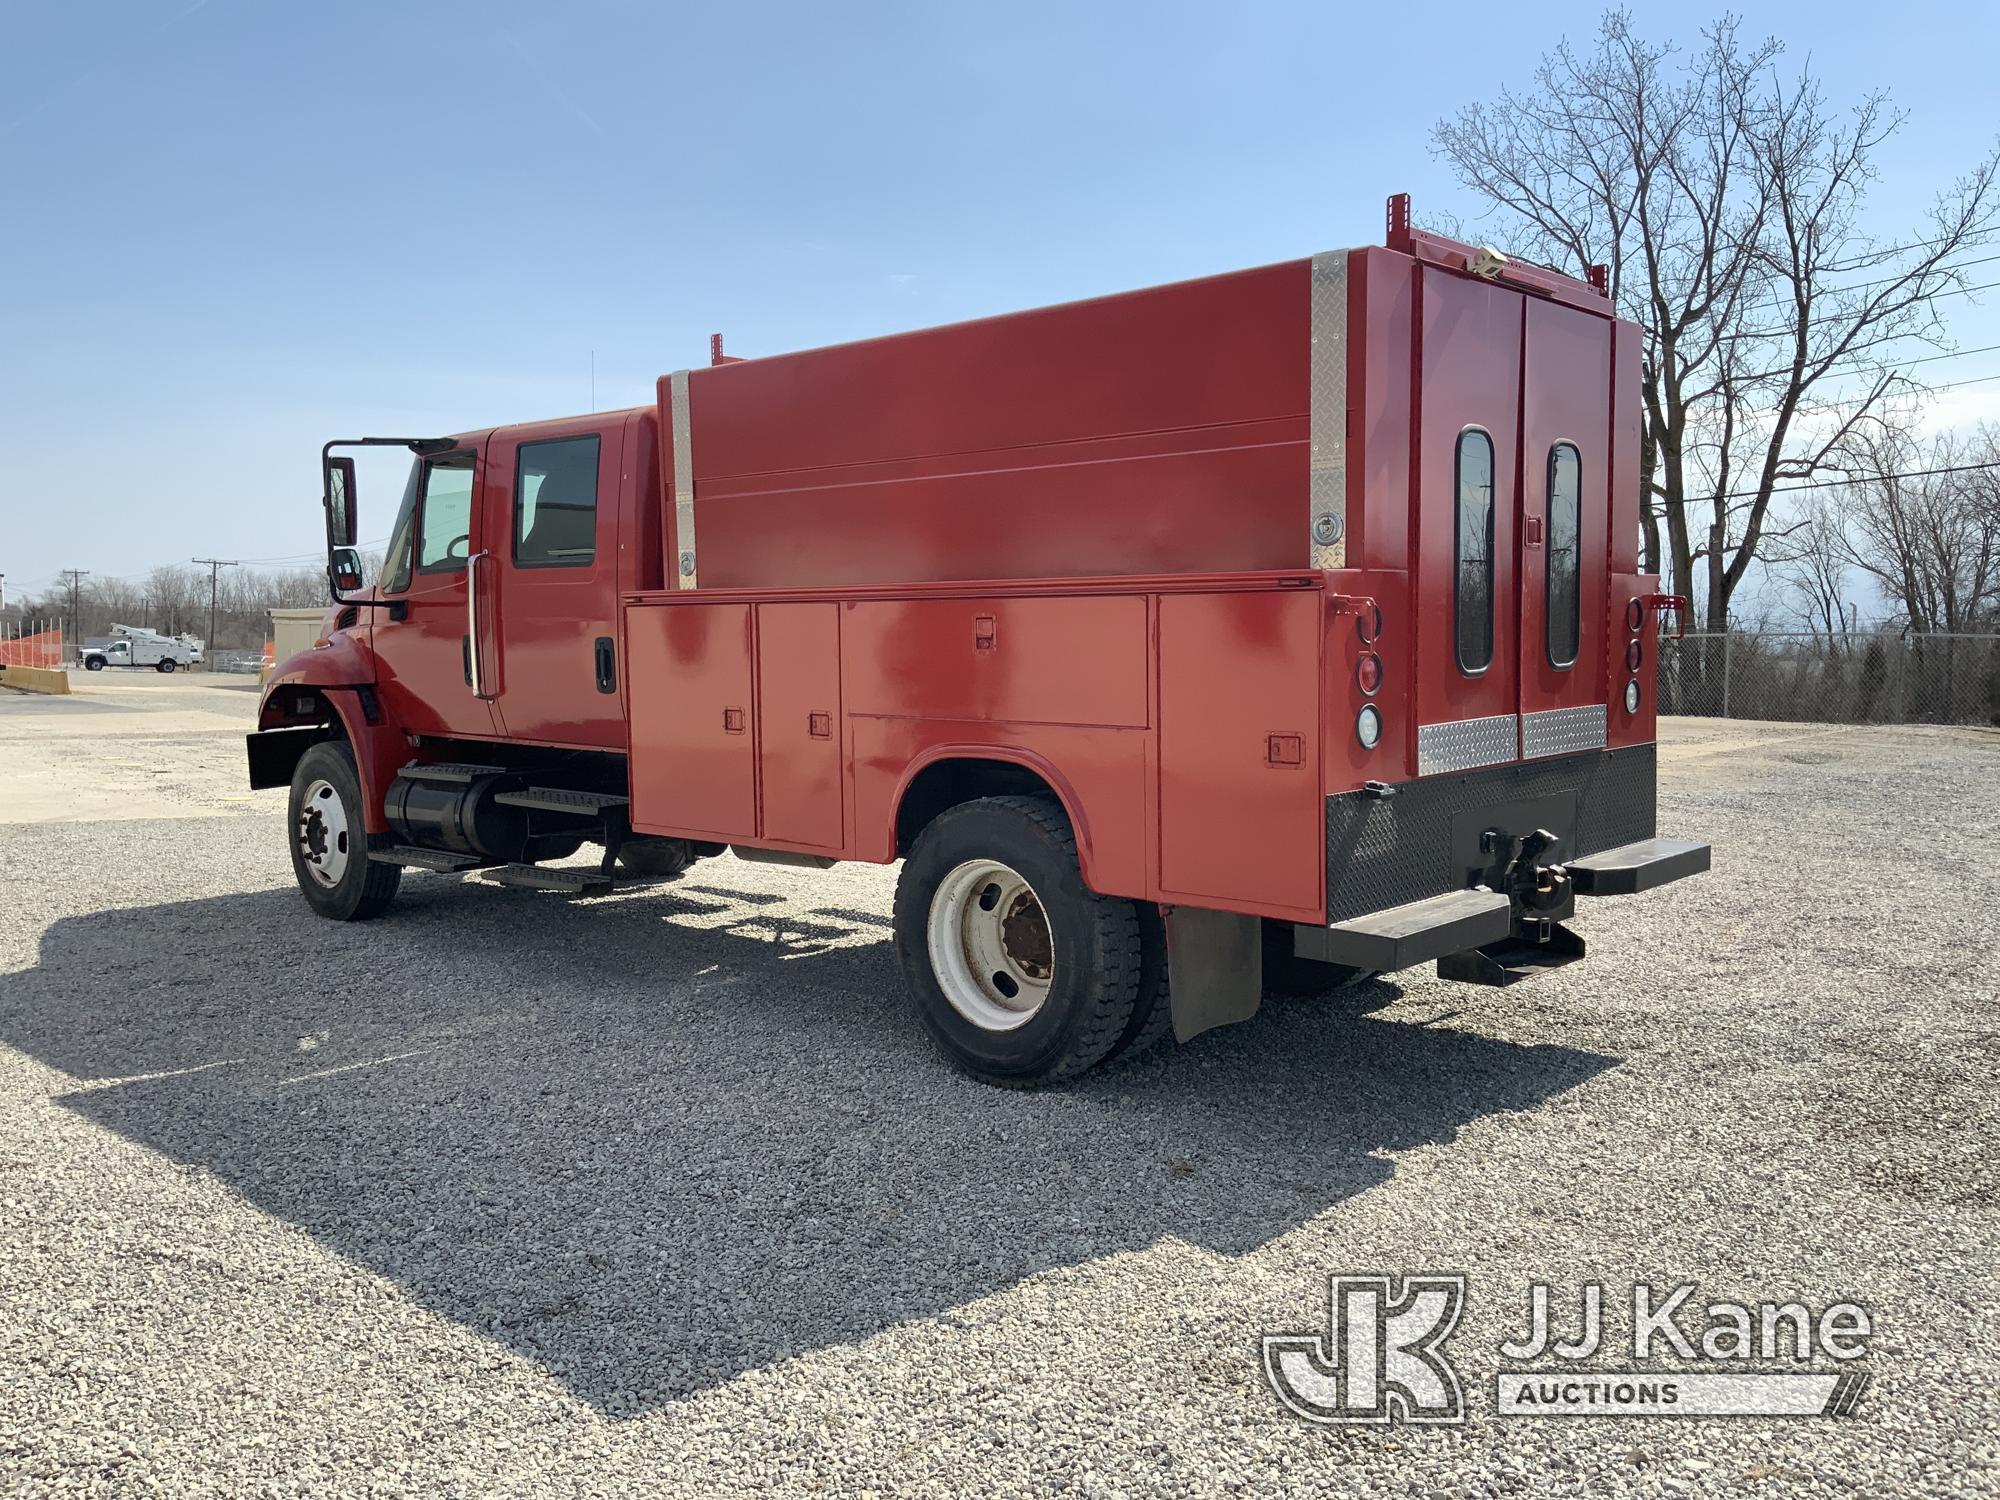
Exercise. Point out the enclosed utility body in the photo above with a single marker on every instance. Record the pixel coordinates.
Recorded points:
(1287, 623)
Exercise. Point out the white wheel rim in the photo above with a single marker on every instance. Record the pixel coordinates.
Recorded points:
(990, 945)
(322, 835)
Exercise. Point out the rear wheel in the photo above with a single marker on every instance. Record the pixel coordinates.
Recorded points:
(1022, 974)
(1285, 973)
(166, 664)
(330, 841)
(655, 859)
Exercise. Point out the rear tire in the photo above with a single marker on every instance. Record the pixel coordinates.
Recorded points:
(329, 840)
(1022, 974)
(165, 664)
(1153, 1013)
(1285, 973)
(655, 858)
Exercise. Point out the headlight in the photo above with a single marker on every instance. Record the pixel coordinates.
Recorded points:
(1368, 727)
(1632, 696)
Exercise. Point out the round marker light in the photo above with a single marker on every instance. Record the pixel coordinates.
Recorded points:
(1368, 727)
(1368, 672)
(1368, 627)
(1634, 654)
(1632, 696)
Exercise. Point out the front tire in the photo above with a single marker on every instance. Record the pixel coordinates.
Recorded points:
(329, 839)
(93, 664)
(1022, 974)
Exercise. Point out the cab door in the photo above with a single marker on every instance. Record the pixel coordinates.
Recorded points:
(1467, 623)
(1565, 525)
(423, 646)
(549, 602)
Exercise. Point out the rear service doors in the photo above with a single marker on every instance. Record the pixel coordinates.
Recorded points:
(1514, 490)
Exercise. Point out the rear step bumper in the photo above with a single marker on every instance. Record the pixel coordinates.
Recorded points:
(1410, 934)
(1632, 868)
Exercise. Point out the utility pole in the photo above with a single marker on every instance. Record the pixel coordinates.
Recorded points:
(75, 577)
(215, 565)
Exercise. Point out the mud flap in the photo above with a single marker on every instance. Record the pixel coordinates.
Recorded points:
(1216, 959)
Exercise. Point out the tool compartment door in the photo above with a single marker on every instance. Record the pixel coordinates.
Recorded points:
(1242, 823)
(1564, 528)
(693, 765)
(1466, 579)
(798, 723)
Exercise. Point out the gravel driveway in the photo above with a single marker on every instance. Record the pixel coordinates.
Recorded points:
(663, 1193)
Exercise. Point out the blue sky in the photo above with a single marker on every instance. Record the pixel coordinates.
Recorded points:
(229, 230)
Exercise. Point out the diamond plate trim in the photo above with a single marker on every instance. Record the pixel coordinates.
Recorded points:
(1385, 851)
(1464, 744)
(1327, 484)
(1557, 731)
(677, 384)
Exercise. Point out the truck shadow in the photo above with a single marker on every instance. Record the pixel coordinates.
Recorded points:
(654, 1141)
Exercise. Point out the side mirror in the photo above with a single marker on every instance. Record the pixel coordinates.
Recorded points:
(341, 518)
(344, 571)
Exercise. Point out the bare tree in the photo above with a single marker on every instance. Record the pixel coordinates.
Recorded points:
(1725, 195)
(1811, 562)
(1925, 525)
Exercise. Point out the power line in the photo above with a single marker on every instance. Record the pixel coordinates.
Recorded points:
(215, 565)
(1781, 330)
(1834, 484)
(75, 577)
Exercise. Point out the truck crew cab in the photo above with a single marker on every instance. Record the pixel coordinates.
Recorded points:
(1256, 631)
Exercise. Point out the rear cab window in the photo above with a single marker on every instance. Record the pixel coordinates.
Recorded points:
(555, 503)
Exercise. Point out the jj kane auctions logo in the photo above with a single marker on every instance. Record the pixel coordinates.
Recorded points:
(1382, 1357)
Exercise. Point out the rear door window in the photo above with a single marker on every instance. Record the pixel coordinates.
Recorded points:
(555, 503)
(1564, 594)
(1473, 602)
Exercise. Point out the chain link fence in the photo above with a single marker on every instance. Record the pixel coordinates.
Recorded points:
(1863, 678)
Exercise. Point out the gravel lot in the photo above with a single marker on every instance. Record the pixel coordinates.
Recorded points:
(663, 1192)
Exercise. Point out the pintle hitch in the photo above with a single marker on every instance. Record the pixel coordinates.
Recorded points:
(1542, 896)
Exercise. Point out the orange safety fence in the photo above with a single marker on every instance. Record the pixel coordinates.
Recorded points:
(42, 649)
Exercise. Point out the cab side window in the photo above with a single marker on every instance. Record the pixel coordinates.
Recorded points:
(555, 503)
(1473, 602)
(444, 518)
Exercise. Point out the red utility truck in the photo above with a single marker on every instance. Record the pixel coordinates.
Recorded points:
(1248, 633)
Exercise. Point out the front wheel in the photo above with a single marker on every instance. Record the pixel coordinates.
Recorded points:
(330, 840)
(1022, 974)
(93, 664)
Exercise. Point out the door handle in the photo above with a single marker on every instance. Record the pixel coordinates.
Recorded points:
(472, 622)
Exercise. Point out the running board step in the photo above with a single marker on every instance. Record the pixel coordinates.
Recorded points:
(555, 799)
(441, 860)
(1632, 868)
(572, 882)
(1512, 959)
(449, 770)
(1400, 936)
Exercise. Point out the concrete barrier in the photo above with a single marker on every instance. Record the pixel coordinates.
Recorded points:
(36, 679)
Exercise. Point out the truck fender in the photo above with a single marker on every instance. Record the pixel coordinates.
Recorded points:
(1040, 766)
(337, 675)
